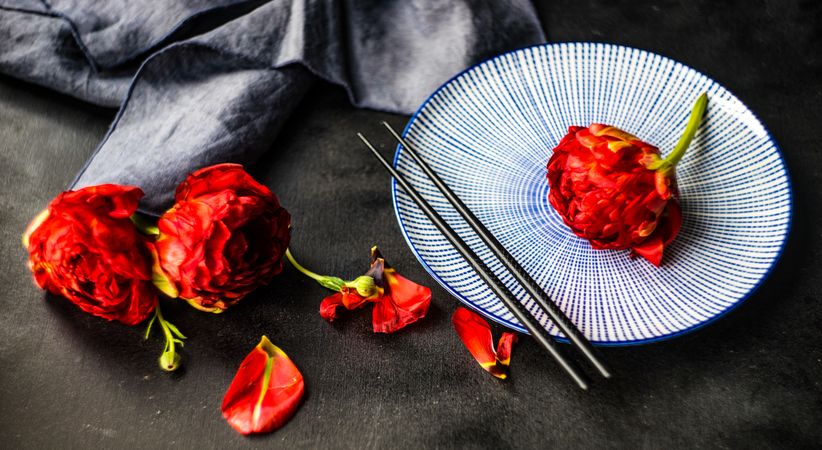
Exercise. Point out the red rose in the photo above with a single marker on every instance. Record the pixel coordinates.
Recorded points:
(603, 189)
(85, 248)
(225, 236)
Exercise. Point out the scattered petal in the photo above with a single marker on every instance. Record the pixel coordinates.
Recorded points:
(475, 333)
(265, 392)
(403, 303)
(345, 298)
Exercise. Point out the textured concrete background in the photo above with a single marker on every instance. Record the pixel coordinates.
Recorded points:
(752, 379)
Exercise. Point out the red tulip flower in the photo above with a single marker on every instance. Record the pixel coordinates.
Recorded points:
(85, 248)
(616, 191)
(398, 301)
(224, 237)
(265, 392)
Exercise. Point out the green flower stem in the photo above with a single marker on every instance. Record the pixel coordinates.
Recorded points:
(687, 136)
(333, 283)
(169, 359)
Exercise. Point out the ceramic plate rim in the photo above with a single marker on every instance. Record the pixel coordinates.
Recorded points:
(665, 337)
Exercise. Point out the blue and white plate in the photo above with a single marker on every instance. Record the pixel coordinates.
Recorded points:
(489, 133)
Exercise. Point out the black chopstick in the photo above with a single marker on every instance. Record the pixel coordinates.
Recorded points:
(501, 290)
(523, 278)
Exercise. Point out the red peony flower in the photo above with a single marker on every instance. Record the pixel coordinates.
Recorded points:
(616, 191)
(85, 248)
(475, 333)
(398, 301)
(224, 237)
(265, 392)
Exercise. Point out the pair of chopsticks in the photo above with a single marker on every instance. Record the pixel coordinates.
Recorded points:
(519, 311)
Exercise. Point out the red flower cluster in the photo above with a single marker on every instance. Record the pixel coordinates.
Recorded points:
(616, 191)
(85, 248)
(604, 191)
(224, 237)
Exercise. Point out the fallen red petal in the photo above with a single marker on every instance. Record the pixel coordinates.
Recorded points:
(265, 392)
(346, 299)
(329, 305)
(475, 333)
(506, 343)
(403, 303)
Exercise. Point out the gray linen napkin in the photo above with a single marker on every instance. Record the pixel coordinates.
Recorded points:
(200, 82)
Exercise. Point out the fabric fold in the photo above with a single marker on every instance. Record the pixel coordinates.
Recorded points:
(202, 82)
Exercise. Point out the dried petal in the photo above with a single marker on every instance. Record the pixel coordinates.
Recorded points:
(265, 392)
(404, 302)
(476, 335)
(345, 298)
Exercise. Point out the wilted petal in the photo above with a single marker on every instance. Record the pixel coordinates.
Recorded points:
(265, 392)
(329, 305)
(653, 248)
(506, 343)
(404, 302)
(346, 298)
(475, 333)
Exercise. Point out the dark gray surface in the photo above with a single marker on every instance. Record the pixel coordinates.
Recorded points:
(753, 379)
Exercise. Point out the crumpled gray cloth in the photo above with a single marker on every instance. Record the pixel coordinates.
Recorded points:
(199, 82)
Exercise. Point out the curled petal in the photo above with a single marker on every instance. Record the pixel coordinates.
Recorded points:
(653, 247)
(506, 343)
(345, 298)
(34, 225)
(404, 302)
(265, 392)
(220, 177)
(329, 305)
(475, 333)
(119, 202)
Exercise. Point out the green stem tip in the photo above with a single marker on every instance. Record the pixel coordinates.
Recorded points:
(694, 120)
(170, 358)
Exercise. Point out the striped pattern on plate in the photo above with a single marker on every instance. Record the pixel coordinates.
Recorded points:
(489, 133)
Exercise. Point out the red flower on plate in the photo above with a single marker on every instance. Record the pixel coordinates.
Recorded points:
(475, 333)
(616, 191)
(85, 248)
(266, 391)
(398, 301)
(224, 237)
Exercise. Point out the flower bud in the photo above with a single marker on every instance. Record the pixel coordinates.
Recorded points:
(365, 286)
(170, 361)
